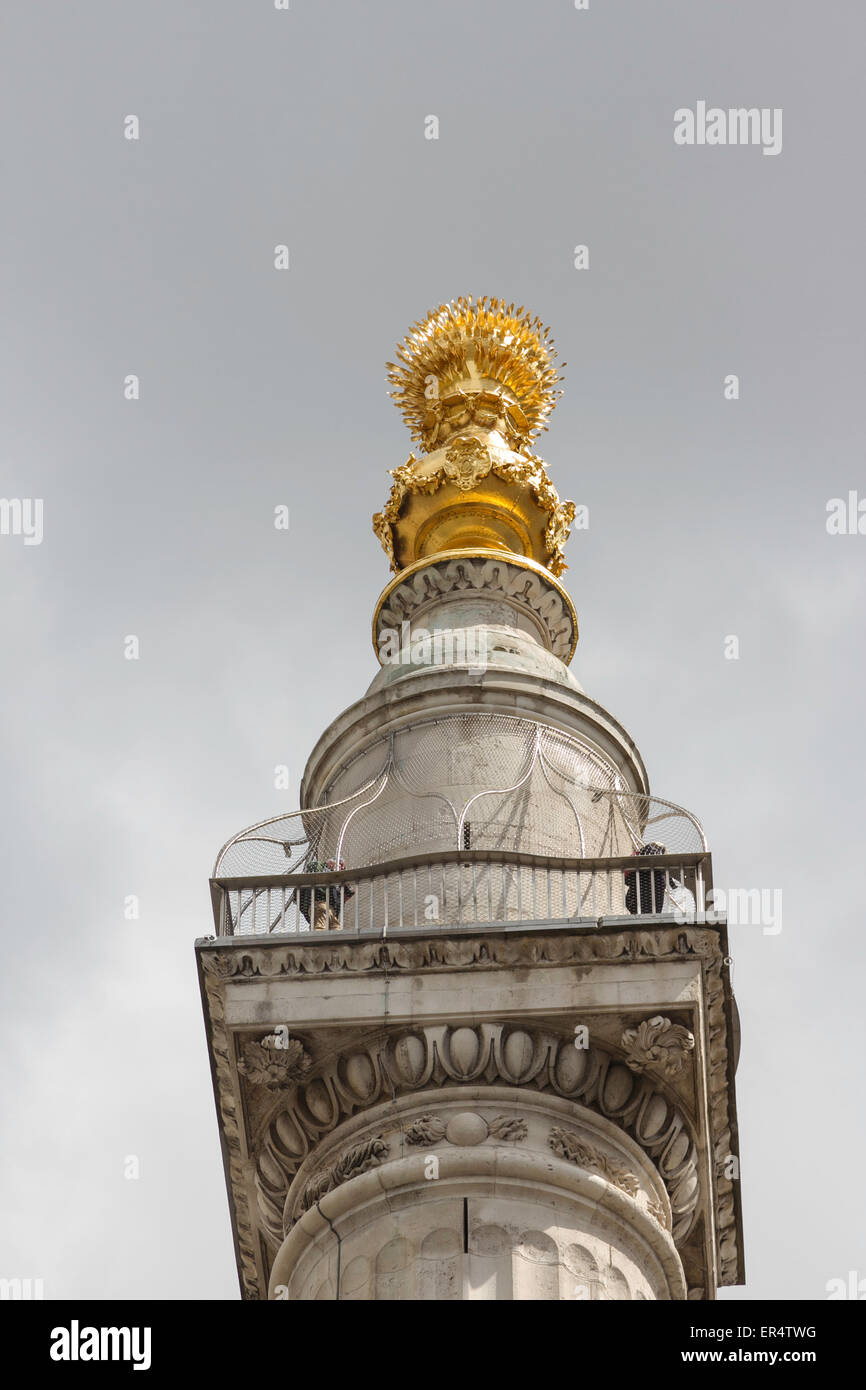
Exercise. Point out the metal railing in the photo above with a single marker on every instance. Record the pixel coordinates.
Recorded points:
(462, 888)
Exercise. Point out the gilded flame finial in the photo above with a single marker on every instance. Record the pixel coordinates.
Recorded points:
(476, 361)
(476, 382)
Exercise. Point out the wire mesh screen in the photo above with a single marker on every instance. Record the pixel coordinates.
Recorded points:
(467, 781)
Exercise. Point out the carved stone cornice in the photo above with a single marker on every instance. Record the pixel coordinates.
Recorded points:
(271, 957)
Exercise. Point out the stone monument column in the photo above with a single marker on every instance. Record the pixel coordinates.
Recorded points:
(470, 1022)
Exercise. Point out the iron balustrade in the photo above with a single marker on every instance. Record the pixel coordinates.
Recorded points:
(462, 888)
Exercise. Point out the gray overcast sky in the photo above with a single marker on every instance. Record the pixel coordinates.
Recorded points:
(258, 387)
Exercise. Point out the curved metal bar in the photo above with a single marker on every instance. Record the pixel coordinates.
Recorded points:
(363, 805)
(500, 791)
(422, 795)
(574, 746)
(632, 806)
(269, 840)
(635, 837)
(565, 797)
(288, 815)
(673, 805)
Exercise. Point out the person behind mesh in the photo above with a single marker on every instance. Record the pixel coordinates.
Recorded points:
(323, 899)
(652, 883)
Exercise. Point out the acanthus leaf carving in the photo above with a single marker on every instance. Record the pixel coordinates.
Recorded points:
(426, 1130)
(658, 1042)
(274, 1064)
(657, 1211)
(513, 1128)
(359, 1159)
(432, 1129)
(574, 1150)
